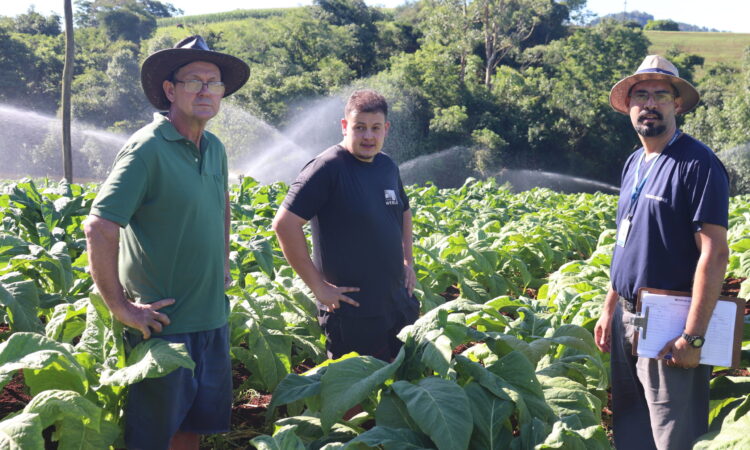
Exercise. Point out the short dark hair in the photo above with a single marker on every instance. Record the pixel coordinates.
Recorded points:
(367, 101)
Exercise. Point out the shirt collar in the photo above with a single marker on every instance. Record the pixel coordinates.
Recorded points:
(167, 130)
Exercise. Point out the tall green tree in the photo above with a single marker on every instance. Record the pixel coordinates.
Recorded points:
(452, 25)
(505, 25)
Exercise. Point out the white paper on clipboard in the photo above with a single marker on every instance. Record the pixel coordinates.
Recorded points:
(667, 315)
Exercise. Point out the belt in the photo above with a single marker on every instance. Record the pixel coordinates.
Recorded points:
(627, 304)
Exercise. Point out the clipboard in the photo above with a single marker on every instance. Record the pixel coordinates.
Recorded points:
(664, 318)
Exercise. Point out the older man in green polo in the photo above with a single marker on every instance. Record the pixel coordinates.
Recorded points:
(158, 244)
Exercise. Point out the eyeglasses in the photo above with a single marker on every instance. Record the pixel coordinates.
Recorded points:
(195, 86)
(661, 98)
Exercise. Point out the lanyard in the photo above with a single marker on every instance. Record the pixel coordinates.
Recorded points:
(638, 186)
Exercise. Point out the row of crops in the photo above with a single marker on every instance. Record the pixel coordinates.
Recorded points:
(502, 356)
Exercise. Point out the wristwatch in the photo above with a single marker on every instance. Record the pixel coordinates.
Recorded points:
(696, 341)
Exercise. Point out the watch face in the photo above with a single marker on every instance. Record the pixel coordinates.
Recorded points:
(697, 342)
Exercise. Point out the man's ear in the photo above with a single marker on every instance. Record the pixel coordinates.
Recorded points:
(168, 87)
(343, 126)
(678, 106)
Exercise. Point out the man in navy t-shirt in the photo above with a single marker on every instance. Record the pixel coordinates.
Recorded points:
(671, 234)
(362, 274)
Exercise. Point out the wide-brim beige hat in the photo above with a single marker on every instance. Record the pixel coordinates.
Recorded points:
(654, 67)
(160, 65)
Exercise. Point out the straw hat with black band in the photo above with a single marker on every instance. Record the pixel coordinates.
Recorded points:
(160, 66)
(654, 67)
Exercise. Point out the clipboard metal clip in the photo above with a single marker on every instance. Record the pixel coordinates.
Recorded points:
(641, 321)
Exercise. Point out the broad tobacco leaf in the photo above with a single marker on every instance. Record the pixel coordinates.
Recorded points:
(283, 439)
(492, 429)
(21, 432)
(440, 408)
(21, 301)
(47, 364)
(152, 358)
(348, 382)
(293, 388)
(391, 438)
(55, 405)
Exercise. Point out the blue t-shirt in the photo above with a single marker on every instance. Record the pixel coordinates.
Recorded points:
(356, 211)
(688, 186)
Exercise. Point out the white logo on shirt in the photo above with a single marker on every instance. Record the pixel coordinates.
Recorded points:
(657, 198)
(390, 197)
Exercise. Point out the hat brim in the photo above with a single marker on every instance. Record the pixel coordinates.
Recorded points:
(160, 65)
(618, 96)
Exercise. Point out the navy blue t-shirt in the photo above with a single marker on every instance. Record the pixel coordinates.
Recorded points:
(356, 211)
(688, 186)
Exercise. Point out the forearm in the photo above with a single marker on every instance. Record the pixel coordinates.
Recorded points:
(610, 301)
(294, 246)
(707, 283)
(406, 238)
(103, 245)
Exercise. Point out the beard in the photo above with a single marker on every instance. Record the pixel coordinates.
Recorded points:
(650, 129)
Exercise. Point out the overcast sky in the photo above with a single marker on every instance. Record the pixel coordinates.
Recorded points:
(723, 15)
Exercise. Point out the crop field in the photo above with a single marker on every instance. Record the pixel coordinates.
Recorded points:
(501, 357)
(726, 48)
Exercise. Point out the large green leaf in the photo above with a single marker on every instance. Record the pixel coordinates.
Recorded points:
(733, 434)
(348, 382)
(47, 364)
(283, 439)
(392, 438)
(492, 429)
(515, 369)
(293, 388)
(440, 408)
(73, 435)
(725, 387)
(308, 429)
(567, 397)
(566, 438)
(152, 358)
(393, 413)
(21, 300)
(54, 405)
(21, 432)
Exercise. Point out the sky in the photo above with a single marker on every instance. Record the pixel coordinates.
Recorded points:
(723, 15)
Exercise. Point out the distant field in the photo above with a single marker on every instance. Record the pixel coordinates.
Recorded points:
(714, 47)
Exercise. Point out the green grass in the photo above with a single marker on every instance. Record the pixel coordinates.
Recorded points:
(714, 47)
(227, 16)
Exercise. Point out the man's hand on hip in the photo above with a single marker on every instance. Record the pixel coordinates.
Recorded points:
(331, 296)
(145, 317)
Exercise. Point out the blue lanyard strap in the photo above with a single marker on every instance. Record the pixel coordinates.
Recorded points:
(638, 186)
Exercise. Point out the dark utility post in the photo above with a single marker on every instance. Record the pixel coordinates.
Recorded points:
(66, 82)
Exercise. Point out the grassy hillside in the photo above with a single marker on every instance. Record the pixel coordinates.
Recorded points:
(715, 47)
(228, 16)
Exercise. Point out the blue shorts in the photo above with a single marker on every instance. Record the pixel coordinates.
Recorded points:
(199, 402)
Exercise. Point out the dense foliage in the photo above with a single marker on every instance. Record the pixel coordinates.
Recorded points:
(513, 81)
(501, 357)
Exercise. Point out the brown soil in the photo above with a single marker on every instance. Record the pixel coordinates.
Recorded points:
(731, 287)
(451, 293)
(14, 396)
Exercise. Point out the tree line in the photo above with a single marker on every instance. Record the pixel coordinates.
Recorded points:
(517, 83)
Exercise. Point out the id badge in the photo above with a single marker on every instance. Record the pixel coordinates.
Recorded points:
(622, 232)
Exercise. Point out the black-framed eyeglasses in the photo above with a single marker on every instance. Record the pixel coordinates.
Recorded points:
(195, 86)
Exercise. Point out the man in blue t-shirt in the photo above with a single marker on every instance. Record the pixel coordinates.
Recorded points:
(362, 274)
(671, 234)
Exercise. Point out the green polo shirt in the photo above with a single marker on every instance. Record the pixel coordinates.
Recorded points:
(169, 198)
